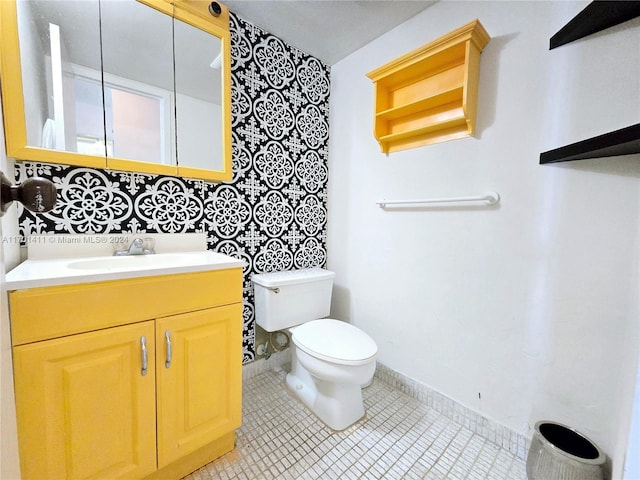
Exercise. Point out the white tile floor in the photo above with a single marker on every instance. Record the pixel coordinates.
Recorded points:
(400, 438)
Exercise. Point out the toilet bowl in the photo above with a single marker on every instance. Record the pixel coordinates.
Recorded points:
(330, 359)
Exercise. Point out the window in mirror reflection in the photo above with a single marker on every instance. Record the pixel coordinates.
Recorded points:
(138, 118)
(89, 127)
(138, 75)
(134, 125)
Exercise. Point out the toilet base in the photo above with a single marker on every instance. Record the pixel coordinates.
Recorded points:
(338, 405)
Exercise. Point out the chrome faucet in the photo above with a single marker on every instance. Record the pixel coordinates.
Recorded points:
(137, 247)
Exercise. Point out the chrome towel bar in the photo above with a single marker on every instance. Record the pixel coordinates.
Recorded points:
(489, 198)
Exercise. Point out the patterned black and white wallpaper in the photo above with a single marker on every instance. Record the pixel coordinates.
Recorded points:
(272, 215)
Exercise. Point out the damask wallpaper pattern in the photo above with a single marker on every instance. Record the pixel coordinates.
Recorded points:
(272, 214)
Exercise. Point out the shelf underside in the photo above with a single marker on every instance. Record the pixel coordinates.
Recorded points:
(597, 16)
(625, 141)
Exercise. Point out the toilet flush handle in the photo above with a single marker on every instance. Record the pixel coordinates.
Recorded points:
(274, 289)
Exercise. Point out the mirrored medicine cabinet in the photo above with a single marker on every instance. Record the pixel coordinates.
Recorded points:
(132, 85)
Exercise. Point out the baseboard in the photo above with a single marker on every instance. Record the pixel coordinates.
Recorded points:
(504, 437)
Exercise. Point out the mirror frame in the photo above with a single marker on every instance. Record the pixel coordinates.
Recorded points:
(193, 12)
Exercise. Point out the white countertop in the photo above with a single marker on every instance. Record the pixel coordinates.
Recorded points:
(45, 272)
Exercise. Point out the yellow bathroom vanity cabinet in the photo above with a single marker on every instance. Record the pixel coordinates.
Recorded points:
(132, 378)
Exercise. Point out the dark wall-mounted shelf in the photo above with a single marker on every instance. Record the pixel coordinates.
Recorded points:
(597, 16)
(625, 141)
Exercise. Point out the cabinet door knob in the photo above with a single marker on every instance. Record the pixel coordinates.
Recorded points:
(167, 336)
(145, 356)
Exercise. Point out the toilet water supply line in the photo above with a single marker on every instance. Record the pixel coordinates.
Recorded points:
(489, 198)
(280, 344)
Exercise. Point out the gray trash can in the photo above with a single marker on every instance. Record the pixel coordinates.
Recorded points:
(559, 452)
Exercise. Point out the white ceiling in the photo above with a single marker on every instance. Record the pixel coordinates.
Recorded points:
(327, 29)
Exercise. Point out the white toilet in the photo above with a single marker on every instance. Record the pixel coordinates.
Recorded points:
(330, 359)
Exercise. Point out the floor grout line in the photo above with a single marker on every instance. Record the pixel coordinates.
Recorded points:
(399, 438)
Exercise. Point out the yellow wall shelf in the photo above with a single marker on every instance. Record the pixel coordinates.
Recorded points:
(429, 95)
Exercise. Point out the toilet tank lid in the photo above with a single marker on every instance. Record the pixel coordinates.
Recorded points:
(278, 279)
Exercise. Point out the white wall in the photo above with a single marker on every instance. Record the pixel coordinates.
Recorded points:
(9, 258)
(533, 305)
(632, 460)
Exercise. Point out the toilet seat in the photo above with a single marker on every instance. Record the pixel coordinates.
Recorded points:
(335, 341)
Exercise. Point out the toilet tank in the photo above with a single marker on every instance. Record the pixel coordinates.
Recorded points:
(287, 299)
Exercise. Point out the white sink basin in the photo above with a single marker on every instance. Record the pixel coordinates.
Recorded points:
(161, 260)
(65, 271)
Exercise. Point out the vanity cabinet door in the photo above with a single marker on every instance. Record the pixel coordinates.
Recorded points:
(199, 379)
(84, 407)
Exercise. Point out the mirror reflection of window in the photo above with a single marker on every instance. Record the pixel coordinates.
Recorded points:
(138, 75)
(89, 126)
(198, 97)
(134, 125)
(138, 117)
